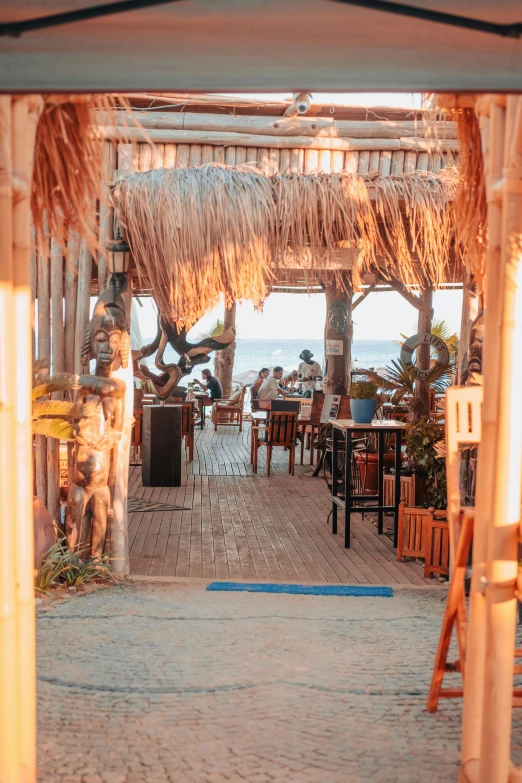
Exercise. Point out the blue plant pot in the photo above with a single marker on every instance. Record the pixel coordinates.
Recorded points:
(363, 411)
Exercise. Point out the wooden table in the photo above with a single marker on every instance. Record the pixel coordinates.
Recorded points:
(202, 399)
(344, 428)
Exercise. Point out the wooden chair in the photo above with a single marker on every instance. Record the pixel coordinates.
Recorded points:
(280, 430)
(188, 422)
(229, 413)
(137, 436)
(463, 426)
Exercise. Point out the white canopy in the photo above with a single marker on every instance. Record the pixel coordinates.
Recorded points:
(256, 45)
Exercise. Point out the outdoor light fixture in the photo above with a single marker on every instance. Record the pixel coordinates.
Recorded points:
(118, 256)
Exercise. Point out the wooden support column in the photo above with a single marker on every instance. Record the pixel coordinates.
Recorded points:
(44, 352)
(82, 303)
(25, 114)
(338, 327)
(224, 360)
(10, 768)
(106, 211)
(476, 635)
(423, 353)
(503, 528)
(119, 526)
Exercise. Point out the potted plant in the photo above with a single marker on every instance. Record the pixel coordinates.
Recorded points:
(363, 401)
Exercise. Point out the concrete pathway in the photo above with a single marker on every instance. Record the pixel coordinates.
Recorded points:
(167, 683)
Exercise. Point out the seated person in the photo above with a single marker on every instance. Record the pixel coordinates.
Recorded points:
(211, 385)
(263, 374)
(270, 388)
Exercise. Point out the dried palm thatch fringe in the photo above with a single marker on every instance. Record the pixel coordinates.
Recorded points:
(198, 232)
(471, 204)
(68, 166)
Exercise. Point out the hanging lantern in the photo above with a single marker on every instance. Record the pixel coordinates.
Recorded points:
(118, 257)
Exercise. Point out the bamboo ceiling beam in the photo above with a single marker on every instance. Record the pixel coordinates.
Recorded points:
(411, 298)
(178, 136)
(275, 126)
(364, 294)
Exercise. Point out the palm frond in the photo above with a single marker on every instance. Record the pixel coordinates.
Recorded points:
(54, 428)
(63, 381)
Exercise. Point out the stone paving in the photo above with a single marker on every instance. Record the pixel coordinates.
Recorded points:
(167, 683)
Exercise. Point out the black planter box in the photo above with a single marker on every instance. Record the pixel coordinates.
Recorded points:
(161, 450)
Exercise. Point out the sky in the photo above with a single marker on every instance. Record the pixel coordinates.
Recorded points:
(382, 316)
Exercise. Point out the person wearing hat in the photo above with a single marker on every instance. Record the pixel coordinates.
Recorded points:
(309, 372)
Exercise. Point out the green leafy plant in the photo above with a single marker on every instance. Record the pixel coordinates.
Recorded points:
(425, 452)
(364, 390)
(61, 566)
(397, 381)
(54, 418)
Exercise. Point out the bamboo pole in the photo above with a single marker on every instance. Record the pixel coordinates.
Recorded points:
(476, 634)
(44, 352)
(262, 160)
(241, 155)
(422, 161)
(71, 295)
(57, 366)
(296, 166)
(364, 162)
(169, 158)
(109, 164)
(119, 532)
(25, 115)
(410, 162)
(182, 155)
(230, 156)
(385, 159)
(275, 126)
(311, 161)
(186, 137)
(82, 303)
(502, 552)
(337, 161)
(251, 156)
(195, 155)
(324, 162)
(397, 163)
(10, 767)
(351, 162)
(157, 154)
(374, 161)
(34, 285)
(273, 161)
(145, 157)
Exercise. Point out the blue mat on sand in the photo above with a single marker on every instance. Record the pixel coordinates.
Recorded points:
(358, 591)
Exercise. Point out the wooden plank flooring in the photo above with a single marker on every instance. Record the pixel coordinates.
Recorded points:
(242, 526)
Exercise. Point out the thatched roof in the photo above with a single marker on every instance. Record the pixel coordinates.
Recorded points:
(197, 232)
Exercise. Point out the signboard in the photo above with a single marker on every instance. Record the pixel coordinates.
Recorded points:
(330, 407)
(334, 347)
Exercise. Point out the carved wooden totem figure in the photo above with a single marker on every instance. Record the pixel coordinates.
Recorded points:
(107, 341)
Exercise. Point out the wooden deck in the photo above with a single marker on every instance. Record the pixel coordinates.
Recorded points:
(240, 526)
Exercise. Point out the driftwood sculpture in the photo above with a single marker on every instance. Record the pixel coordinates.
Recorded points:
(190, 354)
(107, 340)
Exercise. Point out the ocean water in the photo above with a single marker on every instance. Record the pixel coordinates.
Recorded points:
(253, 354)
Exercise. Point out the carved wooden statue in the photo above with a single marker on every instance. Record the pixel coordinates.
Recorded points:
(190, 355)
(107, 340)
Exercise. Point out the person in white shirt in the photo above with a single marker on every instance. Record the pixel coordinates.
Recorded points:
(308, 371)
(270, 388)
